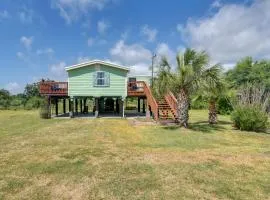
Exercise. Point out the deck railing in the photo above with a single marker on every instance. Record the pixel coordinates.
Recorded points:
(136, 88)
(172, 101)
(53, 88)
(151, 101)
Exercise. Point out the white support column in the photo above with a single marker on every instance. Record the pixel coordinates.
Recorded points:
(71, 111)
(122, 107)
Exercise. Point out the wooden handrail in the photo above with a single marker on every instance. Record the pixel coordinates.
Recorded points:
(151, 101)
(53, 88)
(172, 101)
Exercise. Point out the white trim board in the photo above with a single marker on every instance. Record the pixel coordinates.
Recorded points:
(93, 62)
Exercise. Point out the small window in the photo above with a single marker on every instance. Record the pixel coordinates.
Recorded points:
(132, 79)
(101, 79)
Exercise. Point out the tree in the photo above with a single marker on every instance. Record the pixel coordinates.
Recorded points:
(192, 69)
(212, 92)
(31, 90)
(249, 71)
(4, 98)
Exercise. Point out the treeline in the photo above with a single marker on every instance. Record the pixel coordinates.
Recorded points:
(247, 72)
(29, 99)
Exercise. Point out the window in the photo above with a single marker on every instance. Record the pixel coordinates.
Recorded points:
(102, 79)
(132, 79)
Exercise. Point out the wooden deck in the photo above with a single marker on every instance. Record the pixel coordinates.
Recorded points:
(53, 88)
(136, 89)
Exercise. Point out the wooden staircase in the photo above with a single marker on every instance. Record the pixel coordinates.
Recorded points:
(163, 109)
(166, 112)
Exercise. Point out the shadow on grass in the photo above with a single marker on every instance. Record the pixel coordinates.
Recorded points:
(205, 127)
(202, 126)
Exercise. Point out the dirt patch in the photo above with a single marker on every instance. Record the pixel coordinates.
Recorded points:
(140, 122)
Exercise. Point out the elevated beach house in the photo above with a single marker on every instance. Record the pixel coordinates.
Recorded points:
(106, 86)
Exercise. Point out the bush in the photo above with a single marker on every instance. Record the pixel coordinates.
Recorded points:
(224, 106)
(199, 105)
(250, 118)
(33, 103)
(44, 111)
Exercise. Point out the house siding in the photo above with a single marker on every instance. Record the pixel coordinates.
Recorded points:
(81, 82)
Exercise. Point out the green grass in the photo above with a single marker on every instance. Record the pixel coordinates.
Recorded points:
(112, 159)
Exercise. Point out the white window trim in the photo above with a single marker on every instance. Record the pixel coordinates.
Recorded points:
(104, 79)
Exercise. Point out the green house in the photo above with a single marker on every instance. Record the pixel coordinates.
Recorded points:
(98, 87)
(105, 82)
(97, 79)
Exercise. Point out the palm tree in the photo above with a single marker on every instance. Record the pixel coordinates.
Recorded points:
(212, 92)
(192, 69)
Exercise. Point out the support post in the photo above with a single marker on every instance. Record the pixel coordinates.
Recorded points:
(49, 107)
(76, 106)
(56, 106)
(97, 107)
(84, 106)
(122, 107)
(71, 108)
(139, 104)
(64, 106)
(143, 105)
(148, 115)
(81, 106)
(69, 105)
(117, 106)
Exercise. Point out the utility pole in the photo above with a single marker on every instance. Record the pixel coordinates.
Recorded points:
(153, 57)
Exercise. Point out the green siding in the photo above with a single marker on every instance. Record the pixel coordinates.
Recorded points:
(81, 82)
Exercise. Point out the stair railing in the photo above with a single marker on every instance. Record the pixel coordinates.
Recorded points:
(172, 101)
(151, 101)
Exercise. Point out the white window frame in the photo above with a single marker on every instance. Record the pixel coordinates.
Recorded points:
(104, 79)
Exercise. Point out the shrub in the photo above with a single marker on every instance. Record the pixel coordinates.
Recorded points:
(199, 104)
(250, 118)
(224, 106)
(44, 111)
(33, 103)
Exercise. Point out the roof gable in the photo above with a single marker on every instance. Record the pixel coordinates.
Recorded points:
(94, 62)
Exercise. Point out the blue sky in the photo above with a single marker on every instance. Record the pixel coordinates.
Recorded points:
(40, 38)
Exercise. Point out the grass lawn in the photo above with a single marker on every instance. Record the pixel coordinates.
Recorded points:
(112, 159)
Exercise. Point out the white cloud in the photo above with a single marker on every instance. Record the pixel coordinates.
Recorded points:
(21, 56)
(4, 15)
(72, 10)
(90, 42)
(47, 51)
(130, 54)
(27, 42)
(58, 70)
(26, 16)
(149, 33)
(82, 59)
(14, 88)
(233, 32)
(102, 26)
(125, 34)
(216, 4)
(164, 50)
(137, 57)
